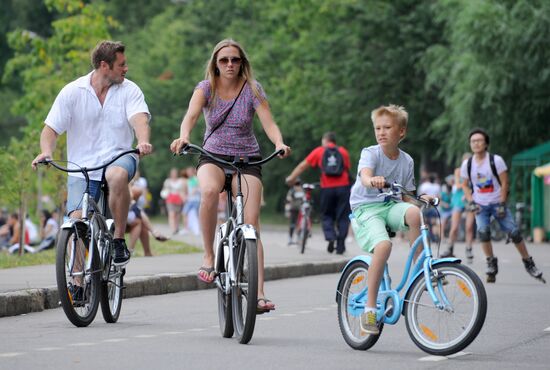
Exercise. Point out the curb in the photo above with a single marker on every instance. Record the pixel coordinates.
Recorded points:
(35, 300)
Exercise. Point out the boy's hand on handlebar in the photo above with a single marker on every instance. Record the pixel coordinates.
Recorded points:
(39, 158)
(178, 144)
(144, 149)
(285, 148)
(378, 182)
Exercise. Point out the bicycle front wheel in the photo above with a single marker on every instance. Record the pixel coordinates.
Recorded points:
(225, 316)
(244, 294)
(444, 331)
(111, 291)
(350, 308)
(78, 286)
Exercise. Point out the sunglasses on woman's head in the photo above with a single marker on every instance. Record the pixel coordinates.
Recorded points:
(233, 60)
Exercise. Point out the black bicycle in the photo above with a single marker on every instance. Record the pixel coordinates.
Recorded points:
(236, 262)
(85, 273)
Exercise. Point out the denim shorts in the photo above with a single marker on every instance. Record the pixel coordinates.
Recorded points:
(77, 185)
(483, 219)
(369, 222)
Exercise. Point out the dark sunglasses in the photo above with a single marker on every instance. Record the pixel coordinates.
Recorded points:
(234, 60)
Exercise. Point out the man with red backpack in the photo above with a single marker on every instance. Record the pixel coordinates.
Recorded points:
(334, 163)
(486, 189)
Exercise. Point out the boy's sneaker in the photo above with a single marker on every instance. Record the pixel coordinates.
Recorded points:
(122, 254)
(368, 323)
(469, 254)
(448, 252)
(531, 268)
(76, 294)
(492, 269)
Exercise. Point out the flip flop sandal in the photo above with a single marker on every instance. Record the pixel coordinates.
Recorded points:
(205, 271)
(266, 307)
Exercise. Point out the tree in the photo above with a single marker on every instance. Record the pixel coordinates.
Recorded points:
(44, 64)
(491, 70)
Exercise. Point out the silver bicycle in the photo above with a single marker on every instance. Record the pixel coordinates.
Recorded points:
(236, 261)
(85, 273)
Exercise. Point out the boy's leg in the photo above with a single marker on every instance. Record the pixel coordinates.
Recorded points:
(381, 254)
(508, 225)
(483, 219)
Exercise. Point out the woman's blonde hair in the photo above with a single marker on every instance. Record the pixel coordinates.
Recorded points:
(397, 112)
(245, 71)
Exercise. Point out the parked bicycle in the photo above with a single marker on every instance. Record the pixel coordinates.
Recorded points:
(304, 221)
(85, 273)
(443, 301)
(236, 256)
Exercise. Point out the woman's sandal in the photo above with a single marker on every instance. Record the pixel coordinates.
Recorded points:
(263, 308)
(205, 274)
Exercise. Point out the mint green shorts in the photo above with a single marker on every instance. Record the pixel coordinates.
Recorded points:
(369, 222)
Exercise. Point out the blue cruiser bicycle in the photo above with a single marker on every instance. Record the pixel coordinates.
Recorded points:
(443, 301)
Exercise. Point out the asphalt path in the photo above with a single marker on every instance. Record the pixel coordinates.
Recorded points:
(180, 331)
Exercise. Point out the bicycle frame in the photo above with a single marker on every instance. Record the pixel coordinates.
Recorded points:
(424, 265)
(98, 217)
(234, 223)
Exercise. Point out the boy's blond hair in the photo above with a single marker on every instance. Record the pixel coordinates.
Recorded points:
(397, 112)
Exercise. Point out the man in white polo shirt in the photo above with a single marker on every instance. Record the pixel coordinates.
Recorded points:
(101, 112)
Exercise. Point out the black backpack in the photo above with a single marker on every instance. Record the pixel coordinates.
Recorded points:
(332, 163)
(491, 163)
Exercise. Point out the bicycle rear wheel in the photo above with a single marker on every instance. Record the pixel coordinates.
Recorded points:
(77, 286)
(350, 309)
(304, 232)
(111, 290)
(244, 293)
(446, 331)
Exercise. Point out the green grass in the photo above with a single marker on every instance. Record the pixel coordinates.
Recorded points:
(48, 257)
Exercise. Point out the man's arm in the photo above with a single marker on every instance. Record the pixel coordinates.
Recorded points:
(140, 123)
(48, 139)
(297, 171)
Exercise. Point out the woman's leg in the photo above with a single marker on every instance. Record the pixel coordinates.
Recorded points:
(211, 181)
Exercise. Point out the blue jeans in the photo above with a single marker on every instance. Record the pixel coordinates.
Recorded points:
(483, 219)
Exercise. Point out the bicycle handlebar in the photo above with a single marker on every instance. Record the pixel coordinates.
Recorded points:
(235, 163)
(85, 169)
(393, 191)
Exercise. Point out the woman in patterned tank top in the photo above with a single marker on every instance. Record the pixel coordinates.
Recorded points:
(229, 86)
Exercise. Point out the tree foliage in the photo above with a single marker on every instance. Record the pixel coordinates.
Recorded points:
(325, 64)
(44, 65)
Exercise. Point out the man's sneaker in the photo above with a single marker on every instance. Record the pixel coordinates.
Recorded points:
(532, 269)
(76, 295)
(448, 252)
(469, 254)
(122, 254)
(492, 269)
(368, 323)
(330, 246)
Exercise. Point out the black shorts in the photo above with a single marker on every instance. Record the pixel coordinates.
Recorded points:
(255, 170)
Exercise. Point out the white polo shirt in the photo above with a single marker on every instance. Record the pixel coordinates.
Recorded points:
(96, 133)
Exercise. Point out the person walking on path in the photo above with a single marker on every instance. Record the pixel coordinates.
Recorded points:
(486, 189)
(458, 206)
(100, 112)
(334, 163)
